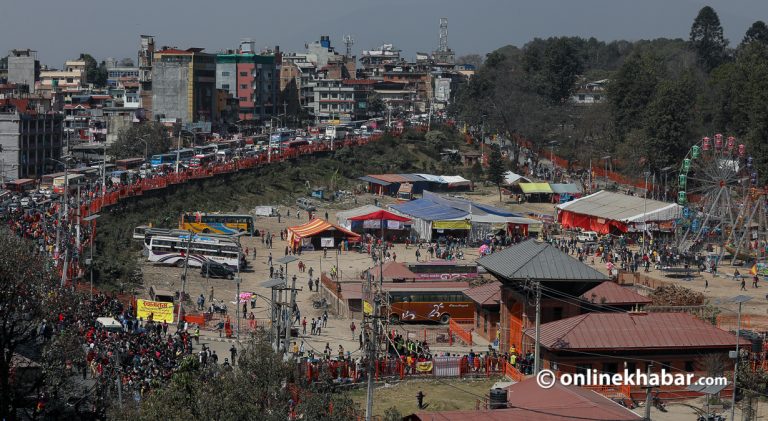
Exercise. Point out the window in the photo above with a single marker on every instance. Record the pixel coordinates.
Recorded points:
(597, 97)
(324, 96)
(243, 74)
(225, 86)
(666, 365)
(581, 97)
(225, 73)
(243, 99)
(631, 367)
(557, 313)
(243, 86)
(689, 366)
(583, 368)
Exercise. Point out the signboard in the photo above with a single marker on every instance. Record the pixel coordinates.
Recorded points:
(459, 224)
(394, 225)
(326, 242)
(367, 308)
(158, 311)
(372, 224)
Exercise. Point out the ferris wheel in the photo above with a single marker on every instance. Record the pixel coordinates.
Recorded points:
(721, 201)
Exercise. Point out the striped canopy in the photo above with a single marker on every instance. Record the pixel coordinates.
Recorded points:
(315, 227)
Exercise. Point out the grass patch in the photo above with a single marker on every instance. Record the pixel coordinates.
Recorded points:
(444, 395)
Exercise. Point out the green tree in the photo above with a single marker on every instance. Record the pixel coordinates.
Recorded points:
(758, 32)
(707, 39)
(631, 89)
(150, 138)
(94, 73)
(496, 169)
(668, 122)
(561, 66)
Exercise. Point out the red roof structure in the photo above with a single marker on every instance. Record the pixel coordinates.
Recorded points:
(486, 295)
(611, 293)
(528, 401)
(613, 331)
(395, 270)
(380, 215)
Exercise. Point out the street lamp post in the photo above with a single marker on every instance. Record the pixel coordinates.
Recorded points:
(740, 299)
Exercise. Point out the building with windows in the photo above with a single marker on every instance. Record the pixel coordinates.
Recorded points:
(71, 78)
(184, 85)
(254, 79)
(28, 140)
(588, 93)
(333, 100)
(117, 75)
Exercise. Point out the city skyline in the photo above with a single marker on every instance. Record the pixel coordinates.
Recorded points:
(61, 33)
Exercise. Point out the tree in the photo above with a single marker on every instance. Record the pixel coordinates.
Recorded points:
(28, 290)
(475, 60)
(631, 89)
(95, 74)
(258, 387)
(496, 169)
(149, 137)
(376, 105)
(707, 39)
(561, 66)
(758, 32)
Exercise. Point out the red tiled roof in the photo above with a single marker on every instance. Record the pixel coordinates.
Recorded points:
(603, 331)
(611, 293)
(486, 295)
(528, 401)
(395, 270)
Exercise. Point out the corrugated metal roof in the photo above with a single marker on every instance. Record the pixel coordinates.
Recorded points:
(530, 402)
(374, 180)
(362, 210)
(390, 178)
(565, 188)
(611, 293)
(538, 261)
(603, 331)
(428, 210)
(487, 294)
(395, 270)
(622, 207)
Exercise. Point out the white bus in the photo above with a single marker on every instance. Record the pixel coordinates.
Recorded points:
(171, 250)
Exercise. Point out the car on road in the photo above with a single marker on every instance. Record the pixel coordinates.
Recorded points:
(306, 204)
(211, 269)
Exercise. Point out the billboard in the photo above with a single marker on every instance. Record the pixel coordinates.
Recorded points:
(158, 311)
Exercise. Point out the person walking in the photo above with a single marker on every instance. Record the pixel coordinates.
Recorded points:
(304, 326)
(233, 354)
(754, 281)
(352, 327)
(743, 283)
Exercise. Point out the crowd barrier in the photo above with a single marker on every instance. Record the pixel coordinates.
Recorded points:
(461, 329)
(122, 192)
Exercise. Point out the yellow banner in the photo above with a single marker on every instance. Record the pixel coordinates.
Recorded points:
(154, 310)
(367, 308)
(424, 367)
(460, 224)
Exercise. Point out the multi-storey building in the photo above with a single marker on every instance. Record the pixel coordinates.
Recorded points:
(146, 57)
(334, 100)
(254, 79)
(71, 78)
(28, 140)
(184, 85)
(117, 75)
(23, 68)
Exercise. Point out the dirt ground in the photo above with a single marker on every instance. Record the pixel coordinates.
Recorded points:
(351, 264)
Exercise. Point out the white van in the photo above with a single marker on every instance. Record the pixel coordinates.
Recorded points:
(586, 236)
(109, 324)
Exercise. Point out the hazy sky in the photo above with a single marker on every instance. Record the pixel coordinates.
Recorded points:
(61, 29)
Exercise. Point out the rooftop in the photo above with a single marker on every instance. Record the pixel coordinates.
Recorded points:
(611, 331)
(486, 295)
(538, 261)
(611, 293)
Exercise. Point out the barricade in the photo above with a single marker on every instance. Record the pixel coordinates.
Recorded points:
(512, 373)
(458, 330)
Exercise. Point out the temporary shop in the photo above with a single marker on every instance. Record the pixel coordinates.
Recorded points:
(565, 192)
(382, 224)
(318, 234)
(613, 213)
(536, 192)
(436, 216)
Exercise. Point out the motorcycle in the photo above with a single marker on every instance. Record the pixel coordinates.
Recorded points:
(320, 304)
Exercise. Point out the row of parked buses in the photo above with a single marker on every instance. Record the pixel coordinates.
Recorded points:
(200, 156)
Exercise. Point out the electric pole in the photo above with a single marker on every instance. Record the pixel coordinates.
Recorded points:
(648, 395)
(536, 355)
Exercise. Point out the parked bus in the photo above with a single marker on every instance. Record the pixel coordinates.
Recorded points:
(47, 179)
(72, 181)
(173, 251)
(129, 163)
(22, 185)
(295, 144)
(184, 155)
(162, 159)
(206, 149)
(444, 270)
(202, 161)
(216, 223)
(431, 302)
